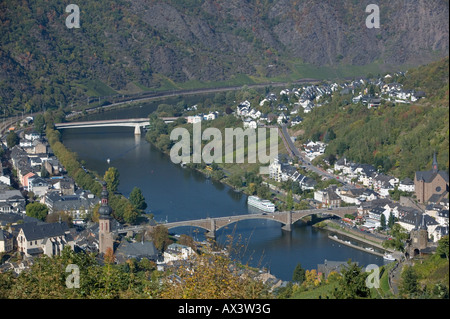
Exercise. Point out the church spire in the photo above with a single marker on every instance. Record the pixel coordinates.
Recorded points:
(435, 164)
(423, 224)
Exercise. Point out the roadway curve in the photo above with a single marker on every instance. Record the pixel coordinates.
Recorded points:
(304, 160)
(148, 96)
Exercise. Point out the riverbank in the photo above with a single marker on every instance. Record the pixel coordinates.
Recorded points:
(348, 243)
(356, 235)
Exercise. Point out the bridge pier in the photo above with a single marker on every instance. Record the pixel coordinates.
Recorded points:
(288, 225)
(137, 130)
(212, 232)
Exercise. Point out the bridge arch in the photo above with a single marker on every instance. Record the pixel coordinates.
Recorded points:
(287, 219)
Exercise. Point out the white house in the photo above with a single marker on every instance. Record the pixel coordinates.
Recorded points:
(249, 123)
(32, 136)
(48, 239)
(442, 217)
(176, 252)
(281, 118)
(211, 116)
(194, 119)
(406, 185)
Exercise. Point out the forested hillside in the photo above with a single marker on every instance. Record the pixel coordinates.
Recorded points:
(396, 138)
(128, 46)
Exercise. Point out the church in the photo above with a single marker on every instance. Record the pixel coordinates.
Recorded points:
(429, 183)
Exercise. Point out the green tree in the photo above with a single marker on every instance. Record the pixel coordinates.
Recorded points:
(39, 123)
(160, 237)
(130, 214)
(391, 220)
(37, 210)
(383, 221)
(12, 139)
(352, 284)
(111, 178)
(409, 286)
(44, 172)
(329, 135)
(299, 274)
(235, 180)
(442, 248)
(137, 199)
(289, 201)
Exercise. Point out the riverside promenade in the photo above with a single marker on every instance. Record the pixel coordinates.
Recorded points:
(368, 239)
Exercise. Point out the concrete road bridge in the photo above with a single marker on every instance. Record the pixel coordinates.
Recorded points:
(137, 123)
(286, 219)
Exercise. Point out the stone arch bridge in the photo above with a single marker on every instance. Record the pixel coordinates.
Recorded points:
(286, 219)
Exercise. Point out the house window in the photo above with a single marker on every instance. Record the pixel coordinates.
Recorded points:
(438, 189)
(31, 243)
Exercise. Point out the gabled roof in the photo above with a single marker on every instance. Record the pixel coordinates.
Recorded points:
(407, 181)
(137, 250)
(12, 194)
(415, 219)
(34, 231)
(429, 176)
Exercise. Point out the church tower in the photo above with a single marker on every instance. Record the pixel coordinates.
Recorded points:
(105, 235)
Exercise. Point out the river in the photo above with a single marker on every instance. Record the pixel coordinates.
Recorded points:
(174, 193)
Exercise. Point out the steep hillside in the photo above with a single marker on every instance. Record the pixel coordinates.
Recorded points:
(398, 139)
(135, 45)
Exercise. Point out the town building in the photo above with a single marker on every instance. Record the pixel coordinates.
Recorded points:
(35, 239)
(428, 183)
(137, 250)
(176, 252)
(418, 242)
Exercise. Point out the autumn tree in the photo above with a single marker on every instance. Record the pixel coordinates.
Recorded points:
(160, 237)
(209, 276)
(111, 178)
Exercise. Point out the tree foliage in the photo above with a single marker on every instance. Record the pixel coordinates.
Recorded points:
(112, 179)
(12, 139)
(210, 276)
(299, 274)
(352, 283)
(137, 199)
(409, 286)
(37, 210)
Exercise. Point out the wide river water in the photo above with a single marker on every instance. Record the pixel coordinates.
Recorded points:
(174, 193)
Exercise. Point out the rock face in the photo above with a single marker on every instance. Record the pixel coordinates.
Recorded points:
(316, 32)
(144, 41)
